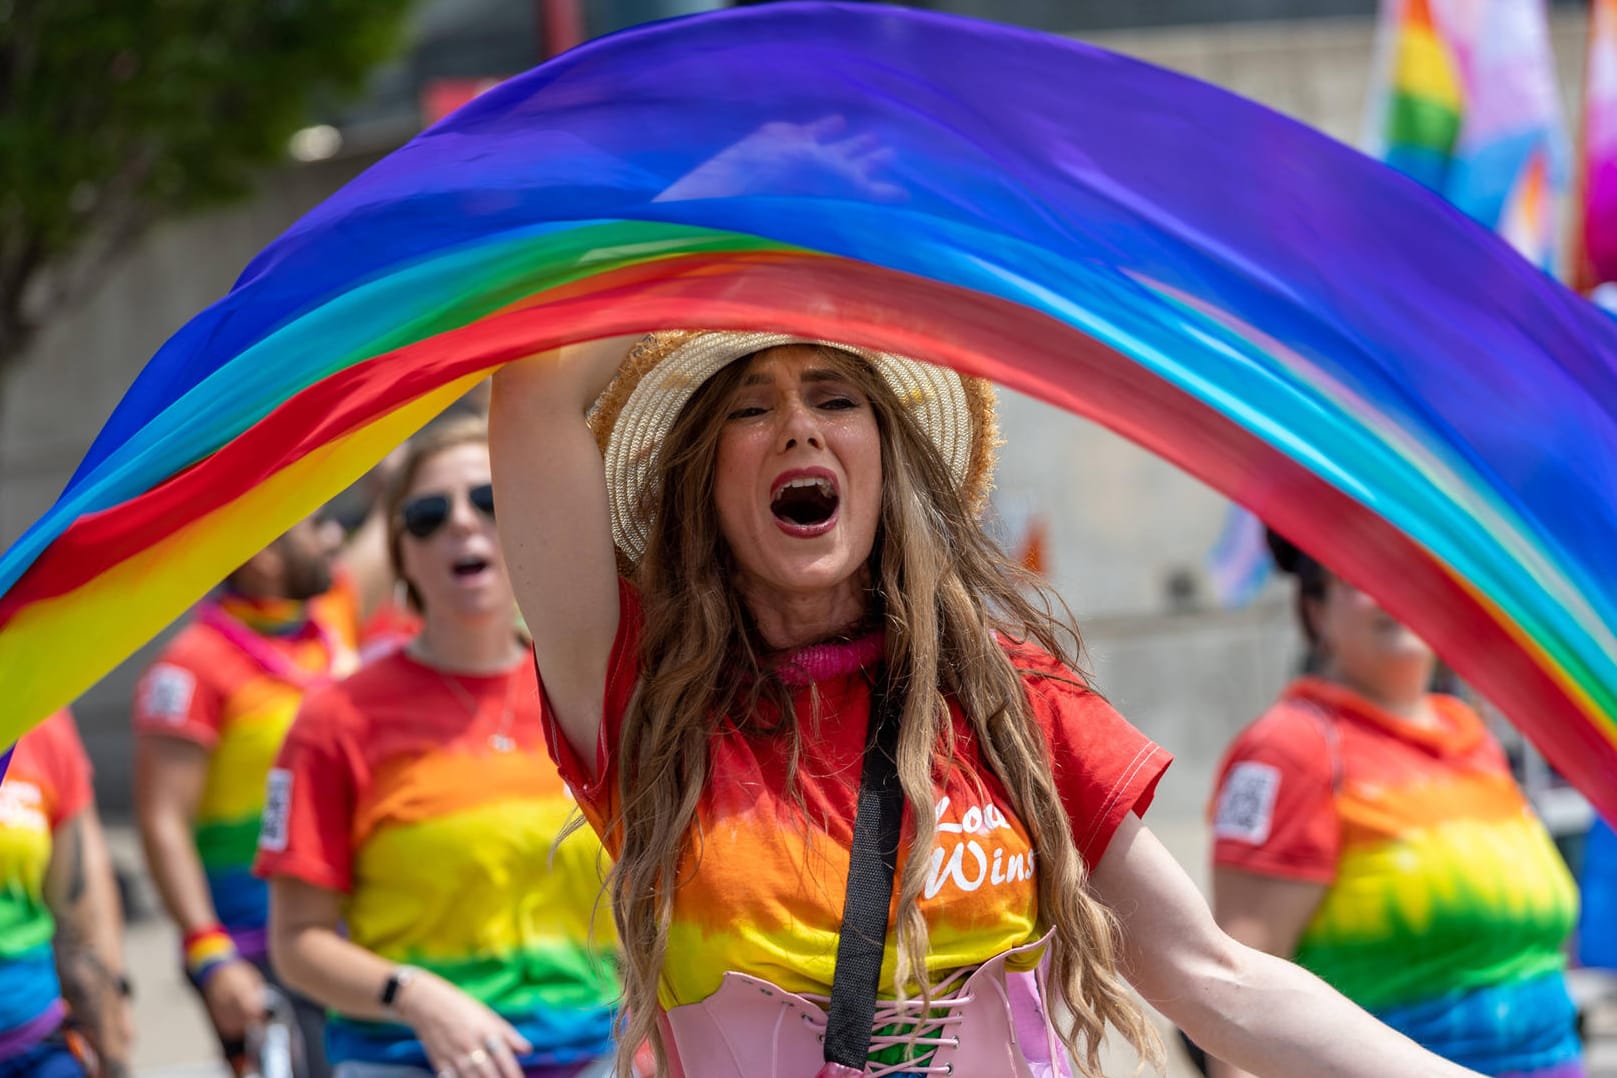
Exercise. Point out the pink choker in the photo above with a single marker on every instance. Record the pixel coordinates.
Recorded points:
(820, 662)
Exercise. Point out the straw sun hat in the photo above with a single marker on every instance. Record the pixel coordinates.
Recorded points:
(633, 417)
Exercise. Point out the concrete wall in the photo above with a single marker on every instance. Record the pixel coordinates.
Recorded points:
(53, 407)
(1121, 522)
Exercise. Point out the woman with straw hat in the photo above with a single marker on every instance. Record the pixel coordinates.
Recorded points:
(866, 818)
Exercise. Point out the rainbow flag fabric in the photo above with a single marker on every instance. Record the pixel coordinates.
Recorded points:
(1239, 562)
(1465, 101)
(1446, 909)
(1288, 320)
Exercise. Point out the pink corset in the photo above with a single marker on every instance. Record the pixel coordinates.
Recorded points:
(983, 1021)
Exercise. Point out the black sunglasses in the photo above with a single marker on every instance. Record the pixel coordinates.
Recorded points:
(427, 513)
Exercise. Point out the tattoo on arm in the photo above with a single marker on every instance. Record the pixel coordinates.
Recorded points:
(93, 990)
(72, 845)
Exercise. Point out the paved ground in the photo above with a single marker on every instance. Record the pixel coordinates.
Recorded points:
(174, 1037)
(175, 1041)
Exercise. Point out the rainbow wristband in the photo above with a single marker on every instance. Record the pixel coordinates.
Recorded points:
(207, 951)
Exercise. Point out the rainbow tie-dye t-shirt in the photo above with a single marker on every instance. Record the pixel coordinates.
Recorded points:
(1446, 909)
(765, 897)
(47, 783)
(235, 692)
(428, 801)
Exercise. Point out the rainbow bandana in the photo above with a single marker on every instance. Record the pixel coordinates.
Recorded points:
(1297, 325)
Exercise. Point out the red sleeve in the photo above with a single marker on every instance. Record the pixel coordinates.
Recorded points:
(1274, 812)
(68, 766)
(177, 697)
(309, 804)
(622, 675)
(1104, 768)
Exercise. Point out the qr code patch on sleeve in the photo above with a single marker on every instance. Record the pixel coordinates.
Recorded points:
(1246, 804)
(272, 832)
(167, 692)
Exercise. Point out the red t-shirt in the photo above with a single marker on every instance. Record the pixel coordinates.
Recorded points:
(1324, 771)
(765, 896)
(234, 692)
(205, 685)
(49, 775)
(1445, 908)
(427, 799)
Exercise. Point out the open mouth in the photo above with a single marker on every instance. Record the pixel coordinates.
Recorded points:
(805, 504)
(469, 566)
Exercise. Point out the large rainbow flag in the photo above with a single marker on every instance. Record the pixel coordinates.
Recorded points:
(1299, 326)
(1465, 101)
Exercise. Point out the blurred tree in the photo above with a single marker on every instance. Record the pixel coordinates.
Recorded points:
(116, 115)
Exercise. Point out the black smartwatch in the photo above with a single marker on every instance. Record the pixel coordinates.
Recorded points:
(401, 976)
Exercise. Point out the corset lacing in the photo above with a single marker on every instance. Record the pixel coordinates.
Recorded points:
(916, 1027)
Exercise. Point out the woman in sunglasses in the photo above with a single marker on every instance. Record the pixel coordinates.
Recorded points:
(414, 805)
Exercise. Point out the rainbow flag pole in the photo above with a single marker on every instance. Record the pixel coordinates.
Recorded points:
(1594, 262)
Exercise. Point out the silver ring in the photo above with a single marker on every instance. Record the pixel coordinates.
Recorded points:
(477, 1057)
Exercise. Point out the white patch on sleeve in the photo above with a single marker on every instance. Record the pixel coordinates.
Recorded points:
(22, 806)
(167, 694)
(1246, 804)
(272, 832)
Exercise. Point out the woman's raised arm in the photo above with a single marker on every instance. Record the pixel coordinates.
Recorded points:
(1258, 1012)
(555, 524)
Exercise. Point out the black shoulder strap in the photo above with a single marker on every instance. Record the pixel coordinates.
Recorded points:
(872, 864)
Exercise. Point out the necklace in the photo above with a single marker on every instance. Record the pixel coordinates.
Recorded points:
(500, 740)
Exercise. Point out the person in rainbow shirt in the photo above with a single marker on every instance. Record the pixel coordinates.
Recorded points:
(209, 717)
(414, 805)
(1372, 831)
(806, 581)
(64, 1001)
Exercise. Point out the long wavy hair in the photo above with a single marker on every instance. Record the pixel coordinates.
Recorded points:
(941, 588)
